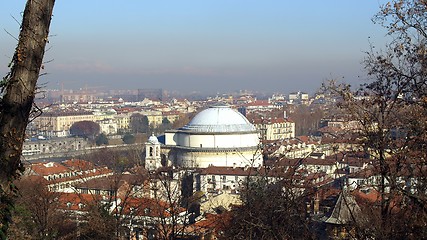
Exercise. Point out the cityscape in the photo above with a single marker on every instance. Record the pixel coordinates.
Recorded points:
(192, 136)
(214, 144)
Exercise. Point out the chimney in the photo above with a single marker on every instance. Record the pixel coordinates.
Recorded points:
(285, 115)
(316, 204)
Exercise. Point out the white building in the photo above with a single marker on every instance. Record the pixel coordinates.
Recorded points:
(217, 136)
(61, 177)
(108, 126)
(152, 154)
(298, 97)
(275, 129)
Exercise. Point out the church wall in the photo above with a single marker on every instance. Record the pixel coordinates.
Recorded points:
(217, 140)
(223, 159)
(237, 140)
(170, 138)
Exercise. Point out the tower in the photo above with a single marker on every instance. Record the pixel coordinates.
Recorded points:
(152, 154)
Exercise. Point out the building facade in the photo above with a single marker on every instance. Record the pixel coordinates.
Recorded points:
(217, 136)
(275, 129)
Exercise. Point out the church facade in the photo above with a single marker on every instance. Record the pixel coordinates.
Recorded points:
(217, 136)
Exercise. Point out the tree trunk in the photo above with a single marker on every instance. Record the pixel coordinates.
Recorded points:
(19, 89)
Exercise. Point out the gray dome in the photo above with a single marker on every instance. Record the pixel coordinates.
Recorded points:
(219, 119)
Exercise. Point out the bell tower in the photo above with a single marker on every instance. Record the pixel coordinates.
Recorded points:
(153, 159)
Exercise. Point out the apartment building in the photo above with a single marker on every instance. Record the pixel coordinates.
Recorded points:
(57, 124)
(275, 128)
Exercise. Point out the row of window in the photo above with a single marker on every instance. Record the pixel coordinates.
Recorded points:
(212, 178)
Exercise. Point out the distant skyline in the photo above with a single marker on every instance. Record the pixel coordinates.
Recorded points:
(206, 46)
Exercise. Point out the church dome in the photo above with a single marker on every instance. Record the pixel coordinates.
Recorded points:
(220, 118)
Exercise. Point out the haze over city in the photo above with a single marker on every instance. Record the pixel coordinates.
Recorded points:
(205, 46)
(193, 120)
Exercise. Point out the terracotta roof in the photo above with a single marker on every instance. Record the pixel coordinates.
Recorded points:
(308, 140)
(213, 222)
(76, 201)
(134, 206)
(364, 173)
(78, 164)
(65, 113)
(84, 175)
(171, 113)
(111, 182)
(45, 169)
(148, 207)
(270, 120)
(74, 168)
(369, 195)
(289, 162)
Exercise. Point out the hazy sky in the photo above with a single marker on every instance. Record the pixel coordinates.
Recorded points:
(201, 45)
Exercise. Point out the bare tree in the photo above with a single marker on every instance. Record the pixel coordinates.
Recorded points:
(173, 193)
(270, 210)
(307, 118)
(86, 129)
(18, 89)
(392, 113)
(36, 212)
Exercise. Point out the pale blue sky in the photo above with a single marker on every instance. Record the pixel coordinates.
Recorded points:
(201, 45)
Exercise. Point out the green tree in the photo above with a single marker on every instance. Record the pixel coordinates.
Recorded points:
(101, 139)
(18, 88)
(166, 125)
(128, 138)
